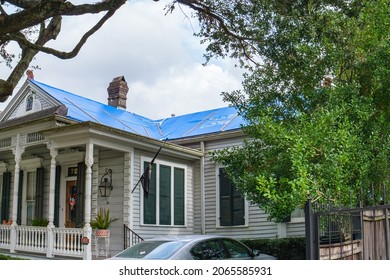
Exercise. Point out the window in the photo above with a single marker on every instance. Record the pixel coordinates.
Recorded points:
(165, 204)
(29, 103)
(30, 196)
(231, 202)
(298, 215)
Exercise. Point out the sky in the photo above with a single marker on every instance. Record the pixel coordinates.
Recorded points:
(157, 54)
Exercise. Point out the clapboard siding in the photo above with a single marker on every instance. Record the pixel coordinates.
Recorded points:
(295, 229)
(109, 159)
(258, 225)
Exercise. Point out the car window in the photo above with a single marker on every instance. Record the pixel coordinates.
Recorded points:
(208, 250)
(151, 250)
(164, 251)
(236, 249)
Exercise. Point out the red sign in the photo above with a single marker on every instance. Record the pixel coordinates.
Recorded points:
(84, 240)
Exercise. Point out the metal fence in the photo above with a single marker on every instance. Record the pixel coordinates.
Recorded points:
(355, 234)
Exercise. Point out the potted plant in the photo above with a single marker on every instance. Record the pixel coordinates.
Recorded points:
(102, 222)
(39, 222)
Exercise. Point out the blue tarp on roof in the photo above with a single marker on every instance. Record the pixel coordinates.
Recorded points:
(189, 125)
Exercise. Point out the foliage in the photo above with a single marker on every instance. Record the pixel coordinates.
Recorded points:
(39, 222)
(103, 219)
(315, 99)
(5, 257)
(292, 248)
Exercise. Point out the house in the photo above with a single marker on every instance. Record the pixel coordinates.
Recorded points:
(63, 157)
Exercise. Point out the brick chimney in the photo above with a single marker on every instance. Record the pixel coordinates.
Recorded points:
(117, 93)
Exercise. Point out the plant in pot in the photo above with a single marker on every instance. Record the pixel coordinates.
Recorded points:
(102, 222)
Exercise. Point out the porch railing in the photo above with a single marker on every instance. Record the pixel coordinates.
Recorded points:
(56, 241)
(5, 236)
(130, 237)
(32, 239)
(67, 241)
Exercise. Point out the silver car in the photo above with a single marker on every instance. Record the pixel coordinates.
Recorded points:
(194, 247)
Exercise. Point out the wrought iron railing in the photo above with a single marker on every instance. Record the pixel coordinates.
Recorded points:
(130, 237)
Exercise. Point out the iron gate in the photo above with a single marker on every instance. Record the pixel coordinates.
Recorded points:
(356, 234)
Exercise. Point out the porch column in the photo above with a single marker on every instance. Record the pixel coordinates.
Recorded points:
(53, 162)
(17, 151)
(88, 200)
(50, 226)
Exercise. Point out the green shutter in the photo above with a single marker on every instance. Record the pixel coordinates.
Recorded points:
(20, 199)
(5, 196)
(165, 195)
(178, 187)
(238, 207)
(225, 200)
(57, 196)
(39, 194)
(232, 203)
(150, 201)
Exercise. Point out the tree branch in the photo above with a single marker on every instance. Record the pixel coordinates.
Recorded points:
(48, 9)
(60, 54)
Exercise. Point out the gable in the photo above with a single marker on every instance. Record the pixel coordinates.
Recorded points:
(30, 101)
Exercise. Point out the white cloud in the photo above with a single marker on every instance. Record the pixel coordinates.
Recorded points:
(181, 91)
(156, 53)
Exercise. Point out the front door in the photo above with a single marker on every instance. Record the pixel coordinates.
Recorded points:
(70, 208)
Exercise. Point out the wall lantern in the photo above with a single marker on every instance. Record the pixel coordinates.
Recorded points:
(105, 186)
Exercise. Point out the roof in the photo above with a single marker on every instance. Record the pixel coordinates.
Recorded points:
(206, 122)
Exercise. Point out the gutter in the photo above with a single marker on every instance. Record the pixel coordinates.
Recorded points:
(202, 191)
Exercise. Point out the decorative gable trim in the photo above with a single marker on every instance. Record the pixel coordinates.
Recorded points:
(30, 99)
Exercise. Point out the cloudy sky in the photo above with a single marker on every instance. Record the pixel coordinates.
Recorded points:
(157, 54)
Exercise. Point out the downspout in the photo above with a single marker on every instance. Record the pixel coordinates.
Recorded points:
(202, 191)
(131, 210)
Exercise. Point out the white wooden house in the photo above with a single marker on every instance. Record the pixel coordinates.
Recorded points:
(56, 147)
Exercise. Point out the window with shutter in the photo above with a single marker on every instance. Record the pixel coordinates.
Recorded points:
(231, 202)
(165, 203)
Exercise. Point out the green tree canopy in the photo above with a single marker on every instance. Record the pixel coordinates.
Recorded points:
(316, 99)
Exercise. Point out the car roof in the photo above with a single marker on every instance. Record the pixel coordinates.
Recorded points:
(185, 238)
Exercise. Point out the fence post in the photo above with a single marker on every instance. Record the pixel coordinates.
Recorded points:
(49, 241)
(311, 230)
(387, 245)
(13, 239)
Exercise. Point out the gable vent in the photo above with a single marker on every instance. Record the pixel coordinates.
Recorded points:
(6, 142)
(34, 137)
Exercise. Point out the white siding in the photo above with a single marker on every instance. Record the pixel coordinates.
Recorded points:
(258, 225)
(114, 161)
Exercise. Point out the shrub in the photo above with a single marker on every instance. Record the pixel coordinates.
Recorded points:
(292, 248)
